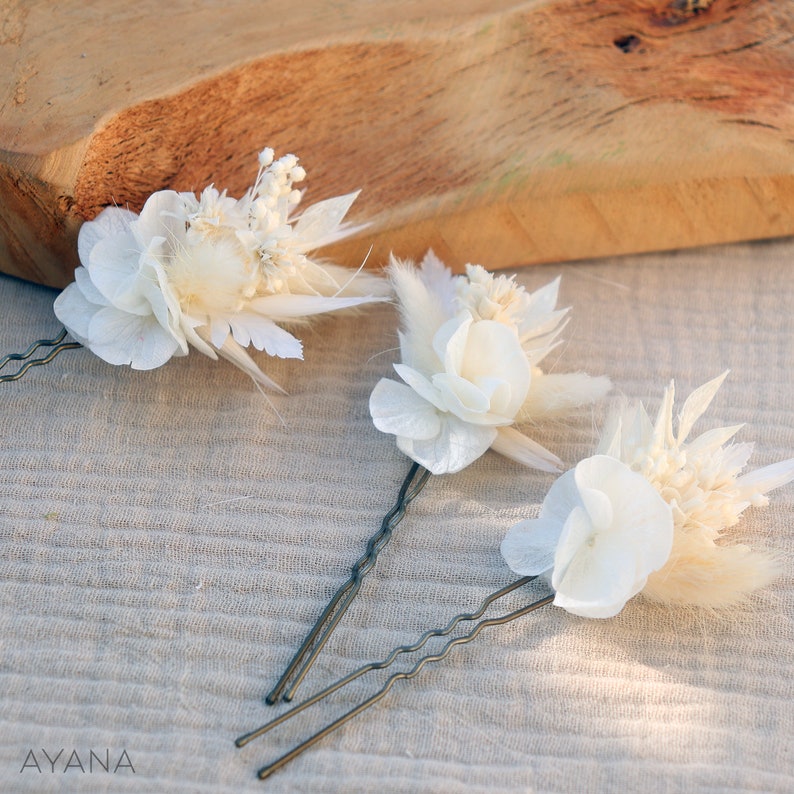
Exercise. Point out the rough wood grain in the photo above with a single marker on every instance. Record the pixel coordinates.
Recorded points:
(499, 132)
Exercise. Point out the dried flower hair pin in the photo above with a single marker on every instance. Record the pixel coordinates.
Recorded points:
(212, 272)
(648, 513)
(471, 346)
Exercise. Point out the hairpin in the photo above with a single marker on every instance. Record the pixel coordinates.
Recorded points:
(268, 770)
(56, 344)
(470, 346)
(647, 513)
(210, 272)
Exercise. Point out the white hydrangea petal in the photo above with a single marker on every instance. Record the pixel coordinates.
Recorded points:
(153, 287)
(110, 222)
(162, 216)
(496, 390)
(172, 304)
(114, 265)
(614, 530)
(696, 405)
(598, 507)
(456, 446)
(529, 546)
(75, 311)
(463, 398)
(561, 498)
(639, 511)
(575, 540)
(592, 581)
(119, 337)
(522, 449)
(492, 350)
(83, 280)
(601, 608)
(450, 343)
(398, 409)
(420, 384)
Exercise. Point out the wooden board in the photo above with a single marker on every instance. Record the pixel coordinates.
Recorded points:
(499, 132)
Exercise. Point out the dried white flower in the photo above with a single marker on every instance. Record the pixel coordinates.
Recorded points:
(211, 271)
(602, 535)
(701, 480)
(603, 529)
(470, 348)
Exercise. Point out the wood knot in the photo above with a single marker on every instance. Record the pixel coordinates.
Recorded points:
(627, 43)
(679, 12)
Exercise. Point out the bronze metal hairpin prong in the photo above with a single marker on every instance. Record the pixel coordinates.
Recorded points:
(57, 344)
(268, 770)
(334, 611)
(387, 662)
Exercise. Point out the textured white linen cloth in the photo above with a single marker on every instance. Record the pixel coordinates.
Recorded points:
(167, 540)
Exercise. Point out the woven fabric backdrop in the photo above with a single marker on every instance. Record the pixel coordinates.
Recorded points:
(168, 537)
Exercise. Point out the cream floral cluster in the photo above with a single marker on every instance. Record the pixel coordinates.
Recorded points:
(602, 530)
(212, 271)
(471, 346)
(649, 514)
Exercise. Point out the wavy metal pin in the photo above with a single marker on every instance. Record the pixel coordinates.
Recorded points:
(387, 662)
(56, 343)
(269, 769)
(315, 641)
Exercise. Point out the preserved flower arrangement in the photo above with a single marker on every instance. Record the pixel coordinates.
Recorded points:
(211, 272)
